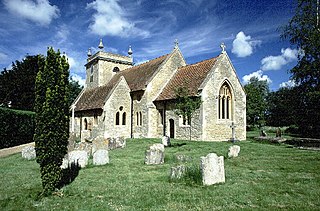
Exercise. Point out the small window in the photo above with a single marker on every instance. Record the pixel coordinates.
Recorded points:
(85, 124)
(91, 73)
(185, 121)
(118, 118)
(140, 118)
(124, 118)
(116, 69)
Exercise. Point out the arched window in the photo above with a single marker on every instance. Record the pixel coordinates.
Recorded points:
(91, 73)
(140, 118)
(85, 124)
(124, 118)
(137, 118)
(118, 118)
(225, 102)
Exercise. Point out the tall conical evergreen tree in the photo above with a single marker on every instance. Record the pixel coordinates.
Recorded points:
(52, 118)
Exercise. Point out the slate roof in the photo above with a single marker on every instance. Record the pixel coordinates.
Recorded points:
(137, 78)
(190, 76)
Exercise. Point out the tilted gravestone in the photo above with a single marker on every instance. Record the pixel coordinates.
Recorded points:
(101, 157)
(166, 141)
(177, 172)
(154, 155)
(233, 151)
(212, 169)
(28, 153)
(78, 156)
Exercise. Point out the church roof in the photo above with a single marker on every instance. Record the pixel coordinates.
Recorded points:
(190, 77)
(137, 78)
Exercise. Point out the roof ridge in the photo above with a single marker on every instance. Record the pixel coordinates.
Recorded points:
(202, 61)
(144, 63)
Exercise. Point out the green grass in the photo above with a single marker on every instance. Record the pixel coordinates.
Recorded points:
(263, 177)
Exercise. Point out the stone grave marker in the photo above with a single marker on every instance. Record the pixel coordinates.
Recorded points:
(154, 155)
(212, 169)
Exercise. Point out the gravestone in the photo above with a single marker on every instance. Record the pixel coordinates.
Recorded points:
(78, 156)
(100, 143)
(177, 172)
(166, 141)
(278, 133)
(263, 133)
(101, 157)
(65, 162)
(233, 151)
(212, 169)
(85, 135)
(118, 142)
(154, 155)
(28, 153)
(85, 146)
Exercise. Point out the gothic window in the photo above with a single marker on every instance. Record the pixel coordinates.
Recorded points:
(91, 73)
(124, 118)
(118, 118)
(137, 118)
(225, 102)
(140, 118)
(184, 120)
(85, 124)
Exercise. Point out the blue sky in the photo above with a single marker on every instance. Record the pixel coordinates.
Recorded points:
(249, 29)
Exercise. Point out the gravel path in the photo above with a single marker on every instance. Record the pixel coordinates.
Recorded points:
(13, 150)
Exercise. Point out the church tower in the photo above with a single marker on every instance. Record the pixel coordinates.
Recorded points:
(102, 66)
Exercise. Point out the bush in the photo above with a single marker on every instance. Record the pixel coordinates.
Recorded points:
(16, 127)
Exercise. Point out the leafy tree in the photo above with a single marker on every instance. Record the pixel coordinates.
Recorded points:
(186, 105)
(303, 31)
(17, 84)
(281, 107)
(52, 118)
(75, 88)
(257, 92)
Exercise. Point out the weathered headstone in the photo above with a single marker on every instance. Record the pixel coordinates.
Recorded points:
(28, 152)
(118, 142)
(177, 172)
(85, 135)
(154, 155)
(101, 157)
(85, 146)
(183, 158)
(65, 162)
(278, 132)
(78, 156)
(233, 151)
(263, 133)
(99, 143)
(166, 141)
(212, 169)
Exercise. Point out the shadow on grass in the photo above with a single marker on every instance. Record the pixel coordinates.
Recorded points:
(177, 145)
(69, 174)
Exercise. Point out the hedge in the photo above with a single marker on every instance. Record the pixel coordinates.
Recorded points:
(16, 127)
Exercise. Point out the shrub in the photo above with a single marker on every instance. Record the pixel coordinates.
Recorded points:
(16, 127)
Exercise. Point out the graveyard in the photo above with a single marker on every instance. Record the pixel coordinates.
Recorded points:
(263, 176)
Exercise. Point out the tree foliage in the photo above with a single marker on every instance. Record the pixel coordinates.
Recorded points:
(52, 118)
(186, 105)
(17, 84)
(303, 31)
(281, 107)
(257, 92)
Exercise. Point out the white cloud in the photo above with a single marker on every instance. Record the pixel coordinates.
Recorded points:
(62, 34)
(109, 19)
(288, 84)
(243, 45)
(258, 74)
(78, 78)
(39, 11)
(3, 57)
(277, 62)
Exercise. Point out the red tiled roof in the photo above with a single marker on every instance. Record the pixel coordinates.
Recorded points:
(137, 78)
(190, 77)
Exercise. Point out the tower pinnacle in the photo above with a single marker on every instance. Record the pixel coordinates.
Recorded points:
(101, 45)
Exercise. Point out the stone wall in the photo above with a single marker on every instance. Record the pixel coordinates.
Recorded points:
(156, 85)
(120, 97)
(215, 129)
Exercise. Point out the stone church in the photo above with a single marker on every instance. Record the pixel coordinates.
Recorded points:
(121, 99)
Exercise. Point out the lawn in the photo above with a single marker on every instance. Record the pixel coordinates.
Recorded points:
(263, 177)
